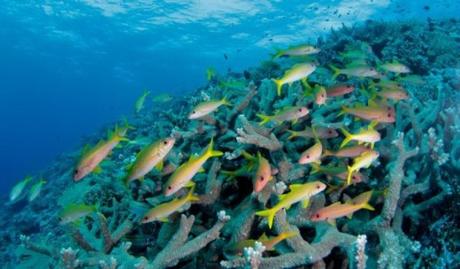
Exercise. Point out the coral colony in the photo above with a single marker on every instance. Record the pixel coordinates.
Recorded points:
(341, 154)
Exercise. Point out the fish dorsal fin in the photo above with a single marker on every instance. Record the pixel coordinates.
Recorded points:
(85, 150)
(263, 237)
(372, 103)
(347, 199)
(336, 204)
(97, 170)
(193, 157)
(305, 203)
(282, 196)
(294, 187)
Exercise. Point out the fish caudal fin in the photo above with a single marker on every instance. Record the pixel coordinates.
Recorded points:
(265, 119)
(211, 152)
(279, 85)
(335, 71)
(348, 137)
(192, 197)
(327, 153)
(293, 135)
(350, 173)
(269, 214)
(363, 200)
(315, 167)
(225, 102)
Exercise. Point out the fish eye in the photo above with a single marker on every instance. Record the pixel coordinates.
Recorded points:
(322, 95)
(262, 178)
(146, 218)
(165, 142)
(76, 171)
(389, 115)
(169, 187)
(308, 156)
(317, 216)
(318, 186)
(329, 132)
(300, 110)
(354, 177)
(193, 112)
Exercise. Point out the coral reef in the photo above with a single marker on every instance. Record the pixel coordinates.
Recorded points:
(415, 181)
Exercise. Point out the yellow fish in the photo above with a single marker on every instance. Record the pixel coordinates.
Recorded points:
(395, 67)
(301, 50)
(364, 160)
(140, 102)
(19, 187)
(338, 210)
(148, 158)
(163, 211)
(206, 108)
(368, 135)
(268, 242)
(74, 212)
(184, 173)
(312, 154)
(296, 73)
(36, 189)
(210, 73)
(263, 174)
(162, 98)
(321, 96)
(355, 71)
(298, 192)
(288, 114)
(91, 158)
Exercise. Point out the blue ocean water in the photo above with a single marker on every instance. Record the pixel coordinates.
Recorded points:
(68, 68)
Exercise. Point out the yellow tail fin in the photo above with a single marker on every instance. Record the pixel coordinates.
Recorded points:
(350, 172)
(315, 167)
(348, 137)
(335, 71)
(211, 152)
(192, 197)
(363, 200)
(265, 119)
(294, 134)
(279, 85)
(269, 214)
(225, 102)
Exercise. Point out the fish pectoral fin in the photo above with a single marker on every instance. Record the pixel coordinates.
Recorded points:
(332, 222)
(165, 219)
(201, 170)
(294, 121)
(305, 203)
(263, 237)
(97, 170)
(281, 196)
(160, 166)
(190, 184)
(350, 215)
